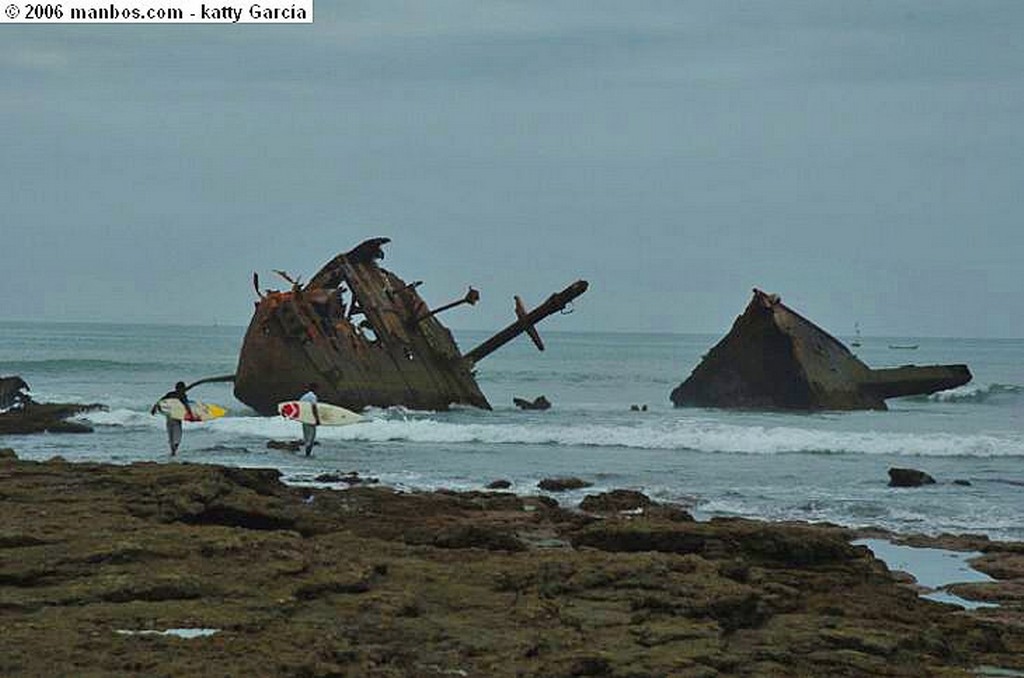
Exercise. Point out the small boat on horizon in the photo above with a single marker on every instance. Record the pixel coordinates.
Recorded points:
(903, 347)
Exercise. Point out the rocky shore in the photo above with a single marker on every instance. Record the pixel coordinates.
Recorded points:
(98, 562)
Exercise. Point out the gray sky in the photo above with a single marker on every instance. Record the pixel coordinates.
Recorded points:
(864, 159)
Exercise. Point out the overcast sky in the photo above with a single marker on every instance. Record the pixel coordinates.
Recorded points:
(864, 159)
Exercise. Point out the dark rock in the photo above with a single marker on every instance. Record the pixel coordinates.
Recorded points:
(344, 581)
(499, 485)
(13, 393)
(287, 445)
(263, 481)
(774, 358)
(540, 502)
(478, 536)
(909, 477)
(34, 417)
(562, 484)
(671, 512)
(395, 583)
(66, 426)
(616, 500)
(965, 483)
(721, 539)
(538, 403)
(350, 478)
(8, 453)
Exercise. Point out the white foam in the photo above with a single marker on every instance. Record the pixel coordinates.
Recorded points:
(122, 417)
(696, 435)
(977, 394)
(659, 434)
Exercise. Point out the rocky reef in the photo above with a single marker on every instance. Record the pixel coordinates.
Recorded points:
(104, 570)
(20, 414)
(45, 417)
(774, 358)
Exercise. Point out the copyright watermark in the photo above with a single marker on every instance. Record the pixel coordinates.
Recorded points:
(157, 12)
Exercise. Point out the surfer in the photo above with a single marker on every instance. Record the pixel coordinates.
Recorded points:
(309, 430)
(174, 425)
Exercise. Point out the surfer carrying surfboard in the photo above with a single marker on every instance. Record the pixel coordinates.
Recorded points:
(174, 425)
(309, 430)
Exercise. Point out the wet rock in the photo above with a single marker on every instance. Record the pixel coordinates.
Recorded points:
(477, 536)
(483, 501)
(350, 478)
(287, 445)
(616, 500)
(670, 512)
(499, 485)
(538, 403)
(562, 484)
(7, 453)
(345, 580)
(13, 393)
(540, 503)
(719, 539)
(45, 417)
(374, 582)
(909, 477)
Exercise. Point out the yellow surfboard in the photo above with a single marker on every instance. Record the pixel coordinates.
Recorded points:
(172, 407)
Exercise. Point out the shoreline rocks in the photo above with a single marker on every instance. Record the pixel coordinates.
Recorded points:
(909, 477)
(46, 417)
(368, 581)
(563, 484)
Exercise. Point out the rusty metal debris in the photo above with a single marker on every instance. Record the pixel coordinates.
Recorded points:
(367, 338)
(774, 358)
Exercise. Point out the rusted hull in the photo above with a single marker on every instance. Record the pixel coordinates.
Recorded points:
(774, 358)
(288, 345)
(366, 338)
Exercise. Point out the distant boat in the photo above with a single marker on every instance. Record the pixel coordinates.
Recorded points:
(904, 347)
(856, 342)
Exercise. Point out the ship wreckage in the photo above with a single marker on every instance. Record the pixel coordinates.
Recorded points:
(367, 338)
(774, 358)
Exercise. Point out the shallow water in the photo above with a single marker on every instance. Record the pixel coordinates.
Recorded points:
(934, 569)
(817, 467)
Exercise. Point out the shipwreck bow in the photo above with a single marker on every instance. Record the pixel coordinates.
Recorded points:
(367, 338)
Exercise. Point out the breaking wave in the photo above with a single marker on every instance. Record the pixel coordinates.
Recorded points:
(997, 393)
(692, 435)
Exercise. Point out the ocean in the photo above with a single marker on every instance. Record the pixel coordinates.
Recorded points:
(779, 466)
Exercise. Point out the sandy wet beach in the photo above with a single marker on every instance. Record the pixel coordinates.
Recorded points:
(182, 569)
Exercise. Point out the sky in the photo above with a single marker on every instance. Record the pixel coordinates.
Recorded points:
(864, 159)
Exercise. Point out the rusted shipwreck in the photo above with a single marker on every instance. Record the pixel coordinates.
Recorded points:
(367, 338)
(774, 358)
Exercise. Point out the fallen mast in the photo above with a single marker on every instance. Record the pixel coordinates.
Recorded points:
(367, 338)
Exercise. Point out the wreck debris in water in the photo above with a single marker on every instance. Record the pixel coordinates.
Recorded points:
(774, 358)
(367, 338)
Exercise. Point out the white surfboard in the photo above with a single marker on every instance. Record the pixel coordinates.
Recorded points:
(172, 408)
(330, 415)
